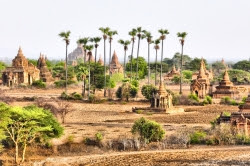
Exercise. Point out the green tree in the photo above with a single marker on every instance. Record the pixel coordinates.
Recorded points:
(242, 65)
(163, 33)
(125, 44)
(142, 66)
(149, 131)
(148, 90)
(65, 35)
(218, 66)
(139, 32)
(105, 36)
(149, 37)
(156, 47)
(132, 33)
(194, 65)
(27, 125)
(33, 61)
(2, 67)
(182, 37)
(127, 90)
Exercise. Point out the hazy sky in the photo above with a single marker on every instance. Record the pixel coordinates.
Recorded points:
(216, 28)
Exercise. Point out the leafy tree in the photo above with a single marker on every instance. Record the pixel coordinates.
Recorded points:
(165, 67)
(187, 74)
(149, 131)
(65, 35)
(242, 65)
(126, 91)
(194, 65)
(33, 61)
(142, 70)
(2, 67)
(27, 125)
(148, 90)
(218, 66)
(237, 76)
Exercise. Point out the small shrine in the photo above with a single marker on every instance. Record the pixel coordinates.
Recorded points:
(209, 73)
(172, 73)
(239, 120)
(100, 61)
(45, 74)
(162, 99)
(226, 88)
(115, 66)
(201, 85)
(21, 72)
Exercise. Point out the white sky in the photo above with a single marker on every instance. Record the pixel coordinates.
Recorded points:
(216, 28)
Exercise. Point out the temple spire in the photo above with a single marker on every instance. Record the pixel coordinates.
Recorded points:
(226, 76)
(202, 70)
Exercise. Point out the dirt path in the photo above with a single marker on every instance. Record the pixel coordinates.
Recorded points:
(204, 155)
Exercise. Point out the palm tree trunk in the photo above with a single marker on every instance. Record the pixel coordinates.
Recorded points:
(124, 66)
(109, 92)
(94, 69)
(66, 66)
(89, 80)
(181, 69)
(155, 67)
(148, 63)
(95, 53)
(84, 88)
(131, 59)
(137, 58)
(104, 68)
(161, 60)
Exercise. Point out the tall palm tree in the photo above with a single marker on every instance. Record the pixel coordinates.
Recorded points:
(139, 32)
(132, 33)
(156, 47)
(182, 36)
(149, 37)
(125, 44)
(95, 40)
(89, 48)
(105, 33)
(65, 35)
(84, 41)
(110, 36)
(163, 33)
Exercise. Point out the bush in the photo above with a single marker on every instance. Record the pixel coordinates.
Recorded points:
(98, 136)
(70, 139)
(62, 83)
(242, 139)
(233, 102)
(126, 91)
(133, 91)
(149, 131)
(148, 90)
(209, 99)
(72, 96)
(225, 100)
(198, 137)
(65, 96)
(39, 84)
(193, 97)
(135, 83)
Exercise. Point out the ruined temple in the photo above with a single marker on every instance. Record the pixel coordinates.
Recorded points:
(162, 99)
(240, 121)
(115, 66)
(209, 74)
(201, 84)
(226, 88)
(100, 61)
(77, 53)
(45, 74)
(21, 71)
(172, 73)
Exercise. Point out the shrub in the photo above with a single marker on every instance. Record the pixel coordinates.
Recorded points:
(149, 131)
(209, 99)
(98, 136)
(233, 102)
(242, 139)
(65, 96)
(39, 84)
(133, 91)
(76, 96)
(135, 83)
(70, 139)
(193, 97)
(62, 83)
(139, 111)
(225, 100)
(126, 90)
(198, 137)
(148, 90)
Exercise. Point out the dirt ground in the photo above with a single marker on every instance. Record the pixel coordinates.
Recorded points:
(115, 119)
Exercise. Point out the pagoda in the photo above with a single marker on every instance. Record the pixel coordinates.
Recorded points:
(172, 73)
(45, 74)
(115, 66)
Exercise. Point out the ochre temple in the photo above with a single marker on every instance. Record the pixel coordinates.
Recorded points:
(172, 73)
(239, 120)
(21, 71)
(226, 88)
(45, 74)
(115, 66)
(209, 74)
(201, 84)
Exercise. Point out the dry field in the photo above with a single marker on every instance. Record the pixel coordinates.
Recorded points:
(114, 120)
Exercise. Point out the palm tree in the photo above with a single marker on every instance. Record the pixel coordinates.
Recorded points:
(125, 45)
(84, 42)
(104, 32)
(95, 40)
(139, 35)
(182, 37)
(110, 35)
(148, 36)
(65, 35)
(156, 47)
(163, 33)
(132, 33)
(89, 48)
